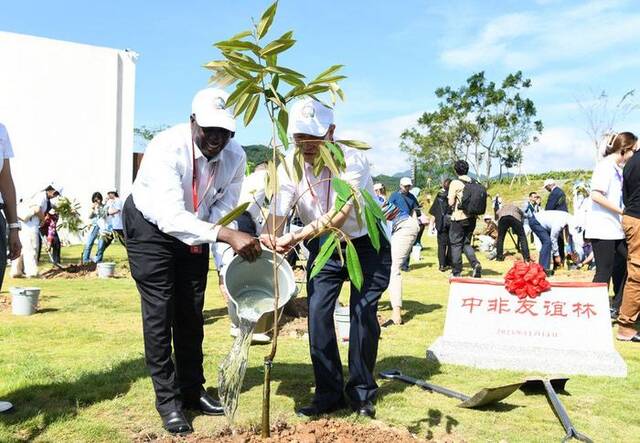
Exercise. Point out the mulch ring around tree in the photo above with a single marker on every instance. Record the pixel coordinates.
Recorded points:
(318, 431)
(70, 271)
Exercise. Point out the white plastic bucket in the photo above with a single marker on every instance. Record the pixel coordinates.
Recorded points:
(242, 279)
(24, 301)
(106, 269)
(342, 320)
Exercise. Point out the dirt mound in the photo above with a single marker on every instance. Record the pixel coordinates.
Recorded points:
(71, 271)
(5, 303)
(319, 431)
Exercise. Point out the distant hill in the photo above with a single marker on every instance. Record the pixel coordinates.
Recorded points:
(256, 154)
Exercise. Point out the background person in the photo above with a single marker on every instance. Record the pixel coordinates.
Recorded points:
(557, 201)
(511, 217)
(8, 217)
(189, 178)
(630, 307)
(549, 226)
(462, 225)
(441, 212)
(310, 124)
(95, 214)
(404, 232)
(603, 225)
(114, 212)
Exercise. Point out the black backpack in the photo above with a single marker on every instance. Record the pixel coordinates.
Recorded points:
(474, 199)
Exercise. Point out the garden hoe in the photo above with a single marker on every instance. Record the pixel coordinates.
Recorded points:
(481, 398)
(550, 386)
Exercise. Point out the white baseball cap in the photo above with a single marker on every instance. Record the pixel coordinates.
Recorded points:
(549, 182)
(378, 186)
(406, 181)
(209, 107)
(309, 116)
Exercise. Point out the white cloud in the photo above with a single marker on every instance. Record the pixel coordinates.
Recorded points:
(560, 148)
(384, 137)
(533, 39)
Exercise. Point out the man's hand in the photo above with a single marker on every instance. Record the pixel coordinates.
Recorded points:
(245, 245)
(15, 247)
(268, 240)
(285, 243)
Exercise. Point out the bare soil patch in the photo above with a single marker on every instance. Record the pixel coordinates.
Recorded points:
(70, 271)
(318, 431)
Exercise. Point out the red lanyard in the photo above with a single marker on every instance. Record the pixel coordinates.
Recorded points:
(194, 181)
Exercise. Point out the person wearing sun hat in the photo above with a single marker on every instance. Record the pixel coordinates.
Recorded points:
(189, 179)
(310, 124)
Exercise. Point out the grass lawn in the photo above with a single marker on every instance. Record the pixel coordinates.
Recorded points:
(75, 371)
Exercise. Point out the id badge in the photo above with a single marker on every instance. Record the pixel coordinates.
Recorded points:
(195, 249)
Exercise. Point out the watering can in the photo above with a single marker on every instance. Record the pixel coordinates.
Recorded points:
(243, 280)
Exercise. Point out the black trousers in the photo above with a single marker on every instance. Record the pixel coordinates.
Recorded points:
(611, 265)
(444, 249)
(171, 281)
(517, 227)
(460, 236)
(322, 292)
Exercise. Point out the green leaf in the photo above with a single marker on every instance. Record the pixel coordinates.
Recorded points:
(267, 19)
(241, 88)
(241, 104)
(315, 89)
(338, 155)
(353, 266)
(241, 35)
(327, 158)
(372, 228)
(334, 79)
(222, 79)
(276, 47)
(217, 64)
(283, 119)
(238, 73)
(373, 205)
(283, 70)
(293, 81)
(342, 189)
(269, 178)
(252, 107)
(330, 243)
(282, 134)
(231, 216)
(298, 165)
(357, 144)
(237, 45)
(329, 71)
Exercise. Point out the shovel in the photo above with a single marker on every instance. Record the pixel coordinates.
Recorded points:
(481, 398)
(550, 386)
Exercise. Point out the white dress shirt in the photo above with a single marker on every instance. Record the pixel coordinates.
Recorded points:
(163, 192)
(554, 222)
(6, 151)
(315, 197)
(602, 223)
(253, 192)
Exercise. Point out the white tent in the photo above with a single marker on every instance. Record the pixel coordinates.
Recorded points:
(68, 108)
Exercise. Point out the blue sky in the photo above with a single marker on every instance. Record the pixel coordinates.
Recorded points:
(396, 54)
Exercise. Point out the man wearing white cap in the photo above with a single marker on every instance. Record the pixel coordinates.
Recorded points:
(310, 124)
(405, 230)
(190, 177)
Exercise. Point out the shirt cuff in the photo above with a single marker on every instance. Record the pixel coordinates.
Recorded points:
(214, 233)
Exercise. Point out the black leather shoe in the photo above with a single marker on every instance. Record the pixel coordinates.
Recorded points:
(365, 409)
(176, 423)
(314, 410)
(205, 404)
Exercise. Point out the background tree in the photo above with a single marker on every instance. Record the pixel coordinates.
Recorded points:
(601, 115)
(478, 122)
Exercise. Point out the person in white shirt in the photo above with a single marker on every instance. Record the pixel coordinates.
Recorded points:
(603, 224)
(310, 124)
(114, 210)
(31, 213)
(548, 226)
(190, 177)
(8, 217)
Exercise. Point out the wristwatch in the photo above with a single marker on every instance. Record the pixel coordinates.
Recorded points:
(15, 225)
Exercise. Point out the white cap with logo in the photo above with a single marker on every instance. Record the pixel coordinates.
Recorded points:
(210, 109)
(378, 186)
(549, 182)
(406, 181)
(309, 116)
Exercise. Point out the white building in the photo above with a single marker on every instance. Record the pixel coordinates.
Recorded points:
(68, 108)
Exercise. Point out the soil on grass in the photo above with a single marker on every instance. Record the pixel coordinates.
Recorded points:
(70, 271)
(293, 322)
(319, 431)
(5, 303)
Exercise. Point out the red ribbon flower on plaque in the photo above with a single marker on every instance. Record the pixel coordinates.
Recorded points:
(526, 280)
